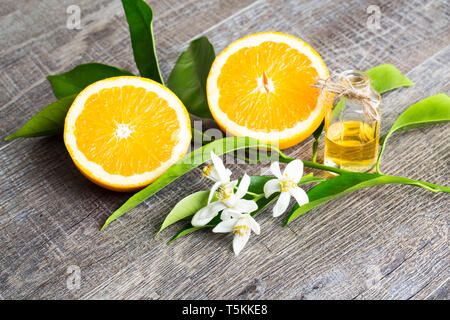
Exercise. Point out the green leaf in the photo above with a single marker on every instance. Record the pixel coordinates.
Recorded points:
(189, 228)
(75, 80)
(257, 184)
(188, 77)
(187, 207)
(429, 111)
(310, 178)
(349, 182)
(47, 122)
(338, 107)
(184, 231)
(139, 17)
(186, 164)
(386, 77)
(330, 189)
(318, 132)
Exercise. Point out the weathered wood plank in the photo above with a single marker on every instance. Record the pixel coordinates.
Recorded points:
(391, 242)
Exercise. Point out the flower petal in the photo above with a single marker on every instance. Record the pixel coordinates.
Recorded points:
(229, 214)
(213, 191)
(300, 195)
(220, 168)
(230, 202)
(243, 186)
(282, 204)
(275, 169)
(253, 224)
(225, 226)
(245, 206)
(241, 235)
(271, 186)
(213, 175)
(206, 214)
(294, 170)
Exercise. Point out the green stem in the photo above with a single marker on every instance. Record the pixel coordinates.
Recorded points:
(253, 194)
(383, 145)
(422, 184)
(315, 147)
(286, 159)
(392, 179)
(257, 196)
(319, 166)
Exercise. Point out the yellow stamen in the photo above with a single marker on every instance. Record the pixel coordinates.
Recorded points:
(225, 192)
(286, 184)
(241, 230)
(206, 170)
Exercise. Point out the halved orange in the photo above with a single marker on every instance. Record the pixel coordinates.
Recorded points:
(122, 133)
(261, 86)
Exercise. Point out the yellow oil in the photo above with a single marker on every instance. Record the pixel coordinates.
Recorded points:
(351, 145)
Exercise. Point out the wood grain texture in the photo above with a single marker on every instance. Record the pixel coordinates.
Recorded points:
(388, 242)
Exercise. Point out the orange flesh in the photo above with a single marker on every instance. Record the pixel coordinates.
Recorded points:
(282, 98)
(127, 130)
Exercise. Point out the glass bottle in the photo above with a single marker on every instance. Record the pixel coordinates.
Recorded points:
(352, 125)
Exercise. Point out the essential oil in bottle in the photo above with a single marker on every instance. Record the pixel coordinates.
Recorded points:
(352, 125)
(351, 145)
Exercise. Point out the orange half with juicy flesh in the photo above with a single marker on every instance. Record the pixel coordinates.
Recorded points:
(261, 86)
(122, 133)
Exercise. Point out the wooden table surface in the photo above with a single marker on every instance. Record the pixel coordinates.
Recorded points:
(389, 242)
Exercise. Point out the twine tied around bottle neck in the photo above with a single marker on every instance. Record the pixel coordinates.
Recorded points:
(343, 88)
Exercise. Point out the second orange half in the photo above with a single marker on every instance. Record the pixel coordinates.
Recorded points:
(260, 86)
